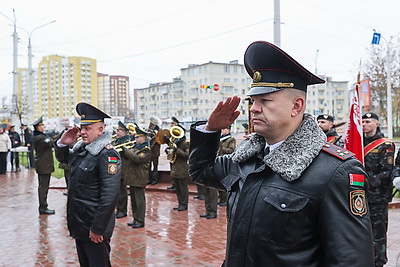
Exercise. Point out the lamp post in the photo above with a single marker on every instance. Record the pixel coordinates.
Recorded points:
(30, 70)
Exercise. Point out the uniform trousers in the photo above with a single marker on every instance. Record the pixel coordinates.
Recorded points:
(182, 191)
(3, 162)
(153, 173)
(43, 189)
(138, 203)
(122, 204)
(93, 254)
(211, 200)
(379, 222)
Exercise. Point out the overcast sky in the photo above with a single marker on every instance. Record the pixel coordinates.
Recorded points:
(150, 41)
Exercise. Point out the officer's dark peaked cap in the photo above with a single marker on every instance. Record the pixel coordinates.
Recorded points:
(139, 131)
(122, 126)
(38, 121)
(273, 70)
(325, 117)
(370, 115)
(175, 120)
(90, 114)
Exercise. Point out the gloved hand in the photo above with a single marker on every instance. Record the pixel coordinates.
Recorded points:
(396, 182)
(166, 139)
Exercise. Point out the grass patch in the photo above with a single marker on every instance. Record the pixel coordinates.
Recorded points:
(58, 172)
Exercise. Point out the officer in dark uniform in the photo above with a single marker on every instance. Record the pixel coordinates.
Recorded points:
(15, 142)
(44, 163)
(378, 161)
(227, 144)
(293, 198)
(138, 159)
(326, 123)
(93, 187)
(122, 138)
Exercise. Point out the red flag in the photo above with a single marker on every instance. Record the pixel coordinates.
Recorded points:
(354, 136)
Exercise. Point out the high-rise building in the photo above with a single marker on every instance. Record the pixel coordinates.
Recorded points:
(194, 94)
(113, 92)
(62, 82)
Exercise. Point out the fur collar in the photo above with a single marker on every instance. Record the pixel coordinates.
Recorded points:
(293, 156)
(97, 145)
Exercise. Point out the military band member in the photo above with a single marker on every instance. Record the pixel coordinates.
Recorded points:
(154, 127)
(378, 161)
(138, 161)
(122, 137)
(178, 153)
(293, 198)
(174, 122)
(326, 123)
(44, 163)
(93, 187)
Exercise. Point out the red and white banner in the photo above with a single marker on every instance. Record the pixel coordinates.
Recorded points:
(354, 135)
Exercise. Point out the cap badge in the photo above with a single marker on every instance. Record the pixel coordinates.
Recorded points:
(83, 116)
(257, 77)
(325, 116)
(368, 115)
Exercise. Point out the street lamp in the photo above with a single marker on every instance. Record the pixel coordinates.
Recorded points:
(30, 71)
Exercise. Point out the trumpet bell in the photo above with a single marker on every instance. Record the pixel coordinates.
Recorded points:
(176, 132)
(131, 127)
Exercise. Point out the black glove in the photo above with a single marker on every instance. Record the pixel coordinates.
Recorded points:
(166, 139)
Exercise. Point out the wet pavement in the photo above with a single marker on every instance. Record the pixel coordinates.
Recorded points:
(170, 238)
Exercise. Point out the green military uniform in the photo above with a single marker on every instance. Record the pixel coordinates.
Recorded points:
(44, 164)
(179, 172)
(137, 173)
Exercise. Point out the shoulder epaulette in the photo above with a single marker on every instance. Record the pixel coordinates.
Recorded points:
(337, 151)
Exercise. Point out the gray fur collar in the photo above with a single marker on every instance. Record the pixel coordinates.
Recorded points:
(97, 145)
(293, 156)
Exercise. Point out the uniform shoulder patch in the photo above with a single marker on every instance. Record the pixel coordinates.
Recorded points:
(337, 151)
(358, 203)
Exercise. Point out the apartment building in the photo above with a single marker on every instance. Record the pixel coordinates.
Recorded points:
(113, 92)
(330, 98)
(193, 95)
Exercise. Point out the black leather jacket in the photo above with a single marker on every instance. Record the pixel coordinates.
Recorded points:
(379, 167)
(273, 222)
(93, 188)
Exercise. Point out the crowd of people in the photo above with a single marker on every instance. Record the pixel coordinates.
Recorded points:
(294, 195)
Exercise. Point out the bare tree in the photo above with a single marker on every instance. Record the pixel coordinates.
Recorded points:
(375, 69)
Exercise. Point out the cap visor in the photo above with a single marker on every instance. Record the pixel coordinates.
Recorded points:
(262, 90)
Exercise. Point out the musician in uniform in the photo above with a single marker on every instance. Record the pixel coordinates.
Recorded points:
(326, 123)
(174, 122)
(378, 161)
(44, 163)
(178, 154)
(154, 127)
(138, 161)
(122, 137)
(93, 186)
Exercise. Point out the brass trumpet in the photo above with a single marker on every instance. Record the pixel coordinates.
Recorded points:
(132, 128)
(126, 145)
(175, 132)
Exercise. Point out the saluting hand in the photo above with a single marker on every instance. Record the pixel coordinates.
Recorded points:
(69, 137)
(224, 114)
